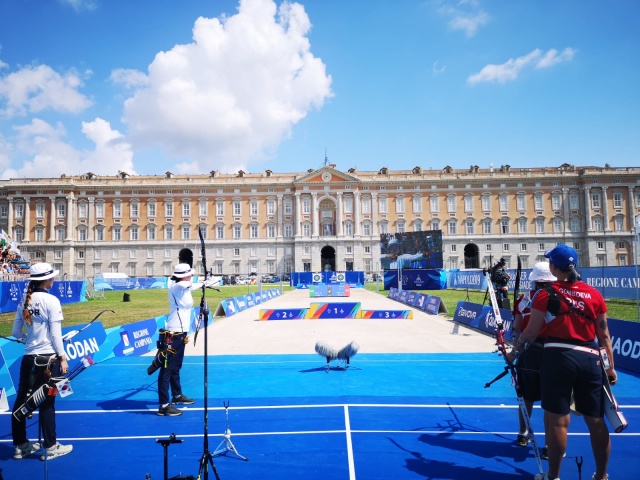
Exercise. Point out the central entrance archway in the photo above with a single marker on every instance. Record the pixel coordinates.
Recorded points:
(328, 259)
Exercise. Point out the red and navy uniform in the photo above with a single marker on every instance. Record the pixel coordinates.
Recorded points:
(571, 359)
(528, 365)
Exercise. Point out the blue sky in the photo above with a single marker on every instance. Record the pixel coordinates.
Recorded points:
(190, 86)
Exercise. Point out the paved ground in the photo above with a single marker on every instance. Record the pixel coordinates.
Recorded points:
(243, 333)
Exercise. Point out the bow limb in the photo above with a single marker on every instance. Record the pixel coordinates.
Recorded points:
(203, 304)
(73, 333)
(12, 339)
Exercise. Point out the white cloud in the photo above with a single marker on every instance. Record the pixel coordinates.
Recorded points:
(552, 57)
(51, 156)
(79, 5)
(129, 78)
(34, 89)
(465, 15)
(437, 69)
(5, 153)
(510, 70)
(234, 92)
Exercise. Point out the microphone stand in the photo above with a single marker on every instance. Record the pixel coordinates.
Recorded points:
(206, 459)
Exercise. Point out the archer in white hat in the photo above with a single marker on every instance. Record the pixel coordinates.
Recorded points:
(528, 365)
(38, 324)
(174, 338)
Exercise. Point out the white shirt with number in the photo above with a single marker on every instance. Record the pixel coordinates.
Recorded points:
(44, 335)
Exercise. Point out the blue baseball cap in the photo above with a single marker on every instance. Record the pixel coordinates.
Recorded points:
(562, 256)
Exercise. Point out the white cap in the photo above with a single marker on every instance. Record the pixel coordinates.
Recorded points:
(541, 273)
(182, 270)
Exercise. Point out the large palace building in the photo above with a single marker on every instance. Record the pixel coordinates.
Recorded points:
(325, 218)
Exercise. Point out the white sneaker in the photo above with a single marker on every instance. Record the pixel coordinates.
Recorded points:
(25, 450)
(543, 476)
(593, 477)
(56, 451)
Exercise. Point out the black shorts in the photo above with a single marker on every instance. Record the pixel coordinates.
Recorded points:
(564, 371)
(528, 370)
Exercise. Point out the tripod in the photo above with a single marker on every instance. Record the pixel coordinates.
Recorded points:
(165, 445)
(226, 445)
(207, 458)
(203, 320)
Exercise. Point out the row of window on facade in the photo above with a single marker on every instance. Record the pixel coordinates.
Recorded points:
(543, 247)
(237, 253)
(347, 201)
(470, 225)
(623, 251)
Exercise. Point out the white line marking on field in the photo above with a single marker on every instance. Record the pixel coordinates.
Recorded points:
(347, 425)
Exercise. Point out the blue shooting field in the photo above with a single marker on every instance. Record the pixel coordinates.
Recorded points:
(388, 416)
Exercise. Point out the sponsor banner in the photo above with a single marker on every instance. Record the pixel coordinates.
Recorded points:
(421, 301)
(471, 279)
(138, 338)
(257, 298)
(403, 295)
(241, 302)
(132, 283)
(411, 298)
(11, 293)
(229, 306)
(482, 317)
(433, 305)
(5, 377)
(611, 282)
(625, 340)
(87, 342)
(416, 279)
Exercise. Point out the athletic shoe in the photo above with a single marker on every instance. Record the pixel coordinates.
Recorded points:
(522, 440)
(25, 450)
(544, 454)
(55, 451)
(181, 399)
(606, 477)
(169, 411)
(544, 476)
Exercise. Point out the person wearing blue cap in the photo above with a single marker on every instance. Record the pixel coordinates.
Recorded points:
(575, 315)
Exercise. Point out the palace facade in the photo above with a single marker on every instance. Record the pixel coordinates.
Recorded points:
(272, 223)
